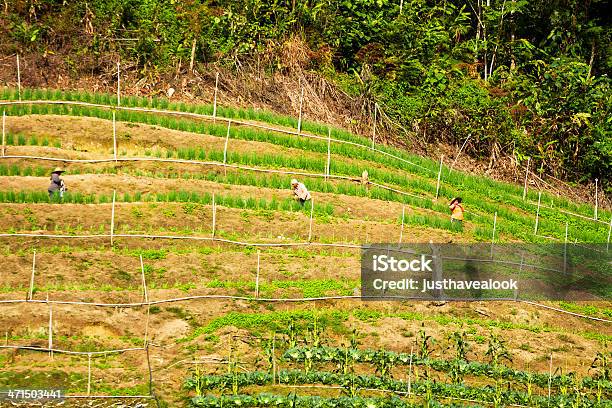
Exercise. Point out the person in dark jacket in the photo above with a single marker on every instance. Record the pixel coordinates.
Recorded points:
(57, 184)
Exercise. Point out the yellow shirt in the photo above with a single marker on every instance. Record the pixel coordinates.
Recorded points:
(457, 212)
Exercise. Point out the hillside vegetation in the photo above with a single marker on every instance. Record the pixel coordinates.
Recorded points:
(507, 78)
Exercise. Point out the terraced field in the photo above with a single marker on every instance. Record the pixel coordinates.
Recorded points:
(177, 272)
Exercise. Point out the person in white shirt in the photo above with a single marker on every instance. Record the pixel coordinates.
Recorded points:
(300, 191)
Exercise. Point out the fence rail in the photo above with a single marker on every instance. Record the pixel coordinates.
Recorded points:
(298, 133)
(148, 302)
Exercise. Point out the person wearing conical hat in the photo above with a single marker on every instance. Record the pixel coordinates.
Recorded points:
(57, 183)
(300, 191)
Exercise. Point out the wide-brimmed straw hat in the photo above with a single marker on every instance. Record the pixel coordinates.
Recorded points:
(294, 181)
(58, 170)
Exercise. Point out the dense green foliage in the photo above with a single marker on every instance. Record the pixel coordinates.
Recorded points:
(352, 383)
(383, 359)
(470, 382)
(516, 77)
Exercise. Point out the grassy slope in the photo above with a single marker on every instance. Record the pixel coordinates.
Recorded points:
(206, 326)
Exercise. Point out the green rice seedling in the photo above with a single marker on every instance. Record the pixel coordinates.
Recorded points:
(478, 186)
(251, 203)
(413, 158)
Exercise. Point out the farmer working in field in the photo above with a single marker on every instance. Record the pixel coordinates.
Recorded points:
(300, 191)
(364, 178)
(456, 210)
(57, 184)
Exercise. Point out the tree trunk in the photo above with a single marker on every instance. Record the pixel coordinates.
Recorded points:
(193, 50)
(592, 59)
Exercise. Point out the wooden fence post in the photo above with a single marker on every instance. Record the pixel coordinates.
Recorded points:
(118, 83)
(565, 248)
(50, 328)
(439, 177)
(410, 371)
(374, 127)
(145, 294)
(526, 175)
(18, 78)
(215, 98)
(550, 376)
(609, 233)
(311, 213)
(596, 199)
(328, 167)
(257, 276)
(535, 230)
(112, 226)
(299, 127)
(274, 358)
(493, 235)
(214, 215)
(114, 137)
(229, 124)
(88, 373)
(31, 292)
(402, 227)
(519, 275)
(3, 133)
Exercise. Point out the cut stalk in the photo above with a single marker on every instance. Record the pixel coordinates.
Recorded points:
(535, 230)
(526, 175)
(439, 177)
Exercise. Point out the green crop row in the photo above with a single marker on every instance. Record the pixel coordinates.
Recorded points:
(425, 167)
(514, 225)
(312, 288)
(511, 222)
(307, 401)
(276, 182)
(20, 139)
(342, 356)
(225, 112)
(232, 201)
(353, 383)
